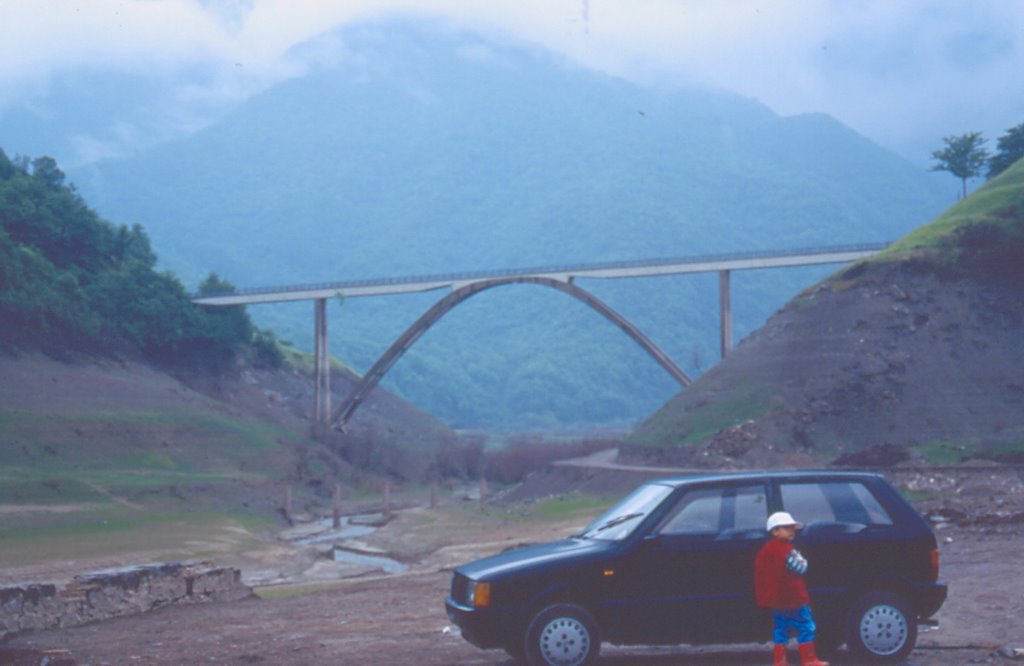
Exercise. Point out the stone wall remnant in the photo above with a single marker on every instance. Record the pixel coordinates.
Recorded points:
(115, 592)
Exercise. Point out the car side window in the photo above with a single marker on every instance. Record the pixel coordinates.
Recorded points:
(841, 506)
(751, 510)
(876, 512)
(732, 512)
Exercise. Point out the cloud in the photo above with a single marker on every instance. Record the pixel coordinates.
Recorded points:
(904, 73)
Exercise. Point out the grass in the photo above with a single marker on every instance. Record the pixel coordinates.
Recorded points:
(101, 483)
(1013, 447)
(721, 412)
(999, 202)
(23, 489)
(571, 507)
(942, 452)
(175, 441)
(306, 362)
(113, 530)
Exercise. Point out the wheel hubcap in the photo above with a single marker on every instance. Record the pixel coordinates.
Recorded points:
(565, 642)
(883, 629)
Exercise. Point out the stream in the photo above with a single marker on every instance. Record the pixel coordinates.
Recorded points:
(323, 532)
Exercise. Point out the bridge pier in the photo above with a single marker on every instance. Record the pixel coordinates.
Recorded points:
(322, 366)
(725, 310)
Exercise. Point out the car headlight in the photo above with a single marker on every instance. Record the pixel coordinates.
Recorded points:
(479, 594)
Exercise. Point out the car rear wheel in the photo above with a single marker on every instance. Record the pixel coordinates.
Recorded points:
(562, 635)
(881, 628)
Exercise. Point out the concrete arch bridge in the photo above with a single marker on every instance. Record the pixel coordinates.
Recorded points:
(463, 286)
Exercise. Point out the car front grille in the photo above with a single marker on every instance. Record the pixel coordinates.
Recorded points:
(460, 589)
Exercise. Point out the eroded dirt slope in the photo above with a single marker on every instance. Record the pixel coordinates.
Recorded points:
(928, 366)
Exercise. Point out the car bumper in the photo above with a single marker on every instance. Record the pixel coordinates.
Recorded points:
(929, 599)
(483, 627)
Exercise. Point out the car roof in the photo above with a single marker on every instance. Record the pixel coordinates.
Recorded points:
(789, 475)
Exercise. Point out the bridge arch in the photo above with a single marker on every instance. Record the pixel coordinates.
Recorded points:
(388, 359)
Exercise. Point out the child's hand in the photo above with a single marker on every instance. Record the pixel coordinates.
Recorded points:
(796, 563)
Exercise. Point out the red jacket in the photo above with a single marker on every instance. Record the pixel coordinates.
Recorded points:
(774, 585)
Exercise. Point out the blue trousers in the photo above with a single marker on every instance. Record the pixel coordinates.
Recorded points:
(798, 621)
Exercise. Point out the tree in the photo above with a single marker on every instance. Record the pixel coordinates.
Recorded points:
(45, 169)
(6, 166)
(218, 332)
(963, 157)
(1009, 149)
(69, 279)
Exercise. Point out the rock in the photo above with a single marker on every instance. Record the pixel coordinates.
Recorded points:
(1011, 652)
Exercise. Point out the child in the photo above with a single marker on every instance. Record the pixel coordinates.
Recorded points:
(779, 585)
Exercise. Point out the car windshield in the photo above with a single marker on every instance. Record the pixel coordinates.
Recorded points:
(618, 522)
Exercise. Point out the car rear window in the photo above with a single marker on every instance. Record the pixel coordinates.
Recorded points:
(846, 505)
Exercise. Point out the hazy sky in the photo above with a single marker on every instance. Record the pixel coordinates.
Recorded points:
(903, 72)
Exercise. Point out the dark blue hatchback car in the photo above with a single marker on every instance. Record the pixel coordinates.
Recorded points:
(673, 563)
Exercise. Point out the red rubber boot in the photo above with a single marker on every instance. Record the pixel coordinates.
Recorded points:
(780, 655)
(807, 656)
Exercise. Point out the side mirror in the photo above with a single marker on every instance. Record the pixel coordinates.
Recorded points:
(653, 540)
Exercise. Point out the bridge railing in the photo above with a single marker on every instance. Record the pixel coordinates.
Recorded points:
(556, 269)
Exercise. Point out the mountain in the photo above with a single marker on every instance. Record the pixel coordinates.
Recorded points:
(422, 150)
(913, 354)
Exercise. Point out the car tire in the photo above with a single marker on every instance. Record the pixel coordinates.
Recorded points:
(881, 628)
(562, 635)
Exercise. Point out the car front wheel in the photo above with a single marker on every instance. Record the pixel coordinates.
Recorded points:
(562, 635)
(881, 628)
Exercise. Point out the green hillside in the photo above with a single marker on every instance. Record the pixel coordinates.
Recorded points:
(989, 222)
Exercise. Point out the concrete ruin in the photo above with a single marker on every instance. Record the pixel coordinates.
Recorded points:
(115, 592)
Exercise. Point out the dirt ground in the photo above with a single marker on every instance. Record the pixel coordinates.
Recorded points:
(400, 619)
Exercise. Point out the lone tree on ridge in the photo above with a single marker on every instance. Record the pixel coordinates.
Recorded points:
(963, 156)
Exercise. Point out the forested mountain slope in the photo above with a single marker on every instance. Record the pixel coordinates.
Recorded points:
(913, 354)
(106, 364)
(423, 151)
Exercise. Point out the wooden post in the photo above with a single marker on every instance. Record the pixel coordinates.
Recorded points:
(322, 366)
(725, 309)
(286, 504)
(336, 505)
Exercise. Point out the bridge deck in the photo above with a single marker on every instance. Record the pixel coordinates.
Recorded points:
(606, 270)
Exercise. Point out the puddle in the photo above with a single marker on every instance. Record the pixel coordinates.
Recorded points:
(323, 531)
(349, 528)
(385, 564)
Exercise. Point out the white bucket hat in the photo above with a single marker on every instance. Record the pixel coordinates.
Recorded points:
(781, 519)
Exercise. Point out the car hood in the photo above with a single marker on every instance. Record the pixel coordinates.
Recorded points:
(543, 556)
